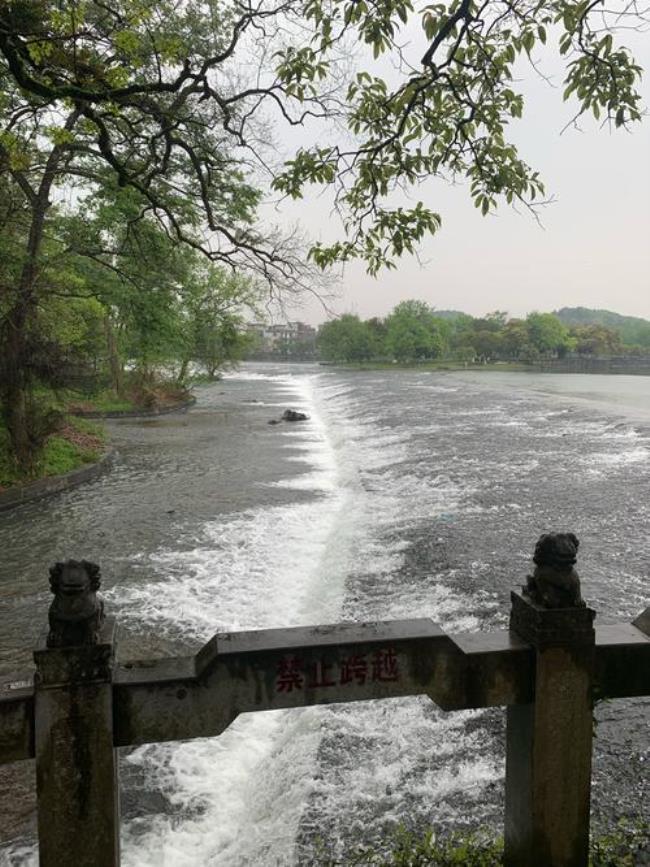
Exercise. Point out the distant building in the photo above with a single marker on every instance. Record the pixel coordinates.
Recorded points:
(288, 340)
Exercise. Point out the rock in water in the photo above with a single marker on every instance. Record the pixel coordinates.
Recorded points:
(292, 415)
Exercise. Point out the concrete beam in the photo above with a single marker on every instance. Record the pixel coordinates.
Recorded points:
(162, 699)
(16, 720)
(622, 662)
(282, 668)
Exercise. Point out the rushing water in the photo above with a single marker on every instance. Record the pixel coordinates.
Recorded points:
(406, 494)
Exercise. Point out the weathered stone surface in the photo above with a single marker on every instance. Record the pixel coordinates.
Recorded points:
(622, 663)
(548, 743)
(18, 494)
(498, 669)
(545, 669)
(555, 583)
(76, 614)
(642, 622)
(551, 627)
(76, 767)
(16, 721)
(281, 668)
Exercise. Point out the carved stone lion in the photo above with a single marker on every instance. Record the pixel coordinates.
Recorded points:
(555, 583)
(76, 614)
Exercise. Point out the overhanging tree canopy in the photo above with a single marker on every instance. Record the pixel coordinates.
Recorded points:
(152, 84)
(173, 99)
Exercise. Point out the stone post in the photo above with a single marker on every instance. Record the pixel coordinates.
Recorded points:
(549, 742)
(76, 767)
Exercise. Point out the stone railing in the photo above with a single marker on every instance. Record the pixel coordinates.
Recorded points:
(546, 669)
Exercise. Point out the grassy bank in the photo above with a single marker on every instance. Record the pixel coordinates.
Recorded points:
(75, 442)
(627, 845)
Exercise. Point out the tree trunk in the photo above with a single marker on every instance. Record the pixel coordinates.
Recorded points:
(182, 373)
(16, 379)
(14, 387)
(16, 375)
(117, 382)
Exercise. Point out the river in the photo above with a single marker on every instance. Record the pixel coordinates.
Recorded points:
(407, 493)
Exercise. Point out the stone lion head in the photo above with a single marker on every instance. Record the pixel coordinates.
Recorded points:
(74, 577)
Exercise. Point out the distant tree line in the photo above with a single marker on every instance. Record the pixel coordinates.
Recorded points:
(126, 138)
(633, 331)
(414, 331)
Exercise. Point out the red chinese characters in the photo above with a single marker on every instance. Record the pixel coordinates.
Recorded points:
(290, 675)
(378, 667)
(384, 666)
(320, 674)
(354, 668)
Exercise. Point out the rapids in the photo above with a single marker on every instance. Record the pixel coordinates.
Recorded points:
(408, 493)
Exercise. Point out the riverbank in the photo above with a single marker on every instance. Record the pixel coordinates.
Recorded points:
(441, 365)
(74, 444)
(602, 366)
(76, 450)
(135, 402)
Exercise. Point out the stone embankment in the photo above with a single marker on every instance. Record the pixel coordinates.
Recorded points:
(16, 495)
(182, 406)
(622, 364)
(19, 494)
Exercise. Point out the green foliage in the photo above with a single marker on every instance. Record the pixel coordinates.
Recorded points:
(117, 292)
(548, 334)
(413, 332)
(515, 338)
(405, 849)
(622, 847)
(449, 117)
(596, 340)
(142, 89)
(75, 442)
(111, 112)
(61, 456)
(102, 401)
(131, 113)
(346, 339)
(214, 301)
(632, 330)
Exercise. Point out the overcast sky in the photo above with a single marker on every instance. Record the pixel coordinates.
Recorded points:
(593, 249)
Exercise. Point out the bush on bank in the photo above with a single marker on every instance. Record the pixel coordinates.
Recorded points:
(627, 845)
(73, 443)
(137, 396)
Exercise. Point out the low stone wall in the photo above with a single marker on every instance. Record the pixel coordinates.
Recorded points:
(20, 494)
(138, 413)
(631, 366)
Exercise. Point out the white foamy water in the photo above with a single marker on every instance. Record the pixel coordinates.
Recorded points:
(399, 501)
(236, 799)
(239, 799)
